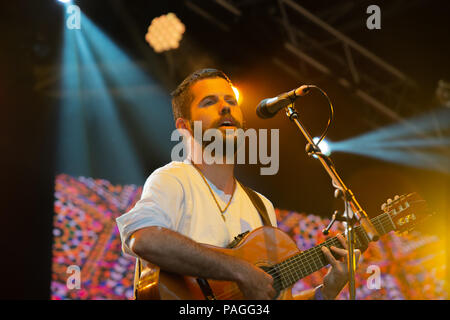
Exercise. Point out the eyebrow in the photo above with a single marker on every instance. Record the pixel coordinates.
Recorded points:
(228, 96)
(214, 97)
(211, 96)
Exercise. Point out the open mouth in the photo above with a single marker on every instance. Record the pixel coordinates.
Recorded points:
(227, 124)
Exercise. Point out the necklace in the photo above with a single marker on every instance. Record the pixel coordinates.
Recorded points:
(222, 211)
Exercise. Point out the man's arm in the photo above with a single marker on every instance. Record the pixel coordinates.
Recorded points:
(176, 253)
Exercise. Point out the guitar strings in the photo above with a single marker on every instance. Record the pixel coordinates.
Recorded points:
(304, 256)
(307, 254)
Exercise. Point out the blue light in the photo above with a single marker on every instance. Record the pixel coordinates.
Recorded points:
(324, 146)
(72, 151)
(104, 95)
(394, 143)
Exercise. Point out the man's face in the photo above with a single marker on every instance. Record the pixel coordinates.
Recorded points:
(215, 105)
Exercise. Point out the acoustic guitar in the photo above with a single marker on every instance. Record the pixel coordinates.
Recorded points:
(277, 254)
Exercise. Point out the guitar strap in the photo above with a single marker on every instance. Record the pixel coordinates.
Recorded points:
(254, 198)
(259, 205)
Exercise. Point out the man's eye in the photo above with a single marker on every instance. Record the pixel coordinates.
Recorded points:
(231, 101)
(208, 102)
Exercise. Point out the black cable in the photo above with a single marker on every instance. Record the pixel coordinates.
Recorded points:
(330, 119)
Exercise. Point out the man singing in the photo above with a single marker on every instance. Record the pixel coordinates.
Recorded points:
(194, 202)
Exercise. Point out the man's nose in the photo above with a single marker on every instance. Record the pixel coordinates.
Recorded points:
(224, 108)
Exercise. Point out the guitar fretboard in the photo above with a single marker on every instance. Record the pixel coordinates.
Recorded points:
(309, 261)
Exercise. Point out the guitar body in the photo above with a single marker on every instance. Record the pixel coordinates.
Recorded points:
(271, 247)
(264, 246)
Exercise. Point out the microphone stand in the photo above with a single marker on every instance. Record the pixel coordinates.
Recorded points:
(353, 211)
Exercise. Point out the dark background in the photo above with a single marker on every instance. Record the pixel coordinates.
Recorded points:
(413, 39)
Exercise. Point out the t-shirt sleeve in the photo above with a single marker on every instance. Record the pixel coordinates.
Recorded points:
(161, 205)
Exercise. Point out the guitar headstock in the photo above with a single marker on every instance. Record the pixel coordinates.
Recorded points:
(407, 211)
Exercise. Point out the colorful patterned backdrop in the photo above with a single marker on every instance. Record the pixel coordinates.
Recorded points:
(85, 235)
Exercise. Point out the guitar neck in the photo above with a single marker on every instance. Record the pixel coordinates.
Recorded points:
(309, 261)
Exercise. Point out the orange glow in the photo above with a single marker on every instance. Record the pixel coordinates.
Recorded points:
(237, 94)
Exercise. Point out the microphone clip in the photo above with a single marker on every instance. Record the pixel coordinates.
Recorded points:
(313, 150)
(337, 216)
(291, 112)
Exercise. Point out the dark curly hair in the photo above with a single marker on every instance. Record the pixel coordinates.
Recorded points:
(182, 96)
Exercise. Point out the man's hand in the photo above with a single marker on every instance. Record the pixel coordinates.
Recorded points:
(254, 283)
(176, 253)
(337, 276)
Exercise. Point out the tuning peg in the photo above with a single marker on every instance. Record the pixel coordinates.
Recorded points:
(385, 206)
(389, 201)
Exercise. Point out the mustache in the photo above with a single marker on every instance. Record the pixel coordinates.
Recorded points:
(235, 122)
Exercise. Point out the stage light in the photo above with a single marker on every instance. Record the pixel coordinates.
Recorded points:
(394, 143)
(65, 1)
(237, 94)
(165, 33)
(324, 146)
(98, 81)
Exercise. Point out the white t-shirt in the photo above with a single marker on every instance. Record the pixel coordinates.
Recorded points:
(176, 197)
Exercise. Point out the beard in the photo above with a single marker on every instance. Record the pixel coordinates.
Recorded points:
(230, 137)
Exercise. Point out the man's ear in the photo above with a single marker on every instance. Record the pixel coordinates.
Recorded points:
(182, 123)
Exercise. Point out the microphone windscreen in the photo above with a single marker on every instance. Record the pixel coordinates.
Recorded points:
(261, 110)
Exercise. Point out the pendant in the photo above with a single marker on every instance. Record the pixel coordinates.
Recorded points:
(223, 217)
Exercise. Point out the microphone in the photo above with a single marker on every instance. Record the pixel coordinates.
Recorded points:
(268, 108)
